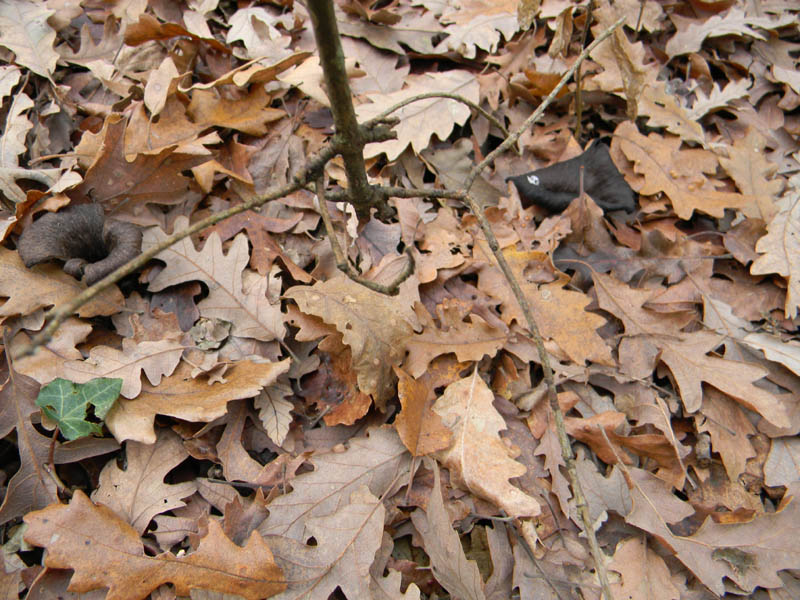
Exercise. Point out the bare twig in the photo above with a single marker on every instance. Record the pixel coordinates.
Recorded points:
(552, 394)
(343, 264)
(579, 75)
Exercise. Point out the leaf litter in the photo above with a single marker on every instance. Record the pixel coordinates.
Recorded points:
(285, 432)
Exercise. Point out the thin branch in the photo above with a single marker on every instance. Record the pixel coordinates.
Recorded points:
(342, 262)
(59, 314)
(552, 394)
(579, 75)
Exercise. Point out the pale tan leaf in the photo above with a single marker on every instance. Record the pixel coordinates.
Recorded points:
(139, 493)
(478, 459)
(780, 249)
(478, 24)
(183, 397)
(346, 543)
(25, 31)
(275, 411)
(783, 462)
(374, 326)
(450, 566)
(786, 353)
(378, 461)
(690, 364)
(155, 359)
(692, 33)
(645, 575)
(421, 120)
(249, 301)
(750, 553)
(663, 110)
(754, 174)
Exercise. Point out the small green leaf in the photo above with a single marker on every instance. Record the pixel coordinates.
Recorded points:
(66, 403)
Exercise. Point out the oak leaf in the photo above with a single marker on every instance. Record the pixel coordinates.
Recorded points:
(632, 558)
(106, 552)
(345, 545)
(449, 564)
(156, 359)
(478, 460)
(31, 487)
(469, 340)
(421, 429)
(478, 24)
(750, 554)
(421, 120)
(680, 174)
(127, 186)
(237, 295)
(25, 31)
(780, 248)
(378, 461)
(44, 286)
(375, 327)
(183, 397)
(139, 493)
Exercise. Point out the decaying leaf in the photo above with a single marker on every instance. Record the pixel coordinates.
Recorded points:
(84, 536)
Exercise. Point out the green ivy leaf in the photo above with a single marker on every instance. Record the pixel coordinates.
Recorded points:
(66, 403)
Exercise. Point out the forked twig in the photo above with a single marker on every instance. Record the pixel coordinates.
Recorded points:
(342, 262)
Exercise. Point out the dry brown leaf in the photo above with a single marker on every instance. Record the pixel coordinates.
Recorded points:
(479, 461)
(31, 487)
(139, 493)
(248, 114)
(25, 31)
(156, 359)
(730, 430)
(754, 174)
(421, 120)
(374, 326)
(645, 575)
(560, 313)
(421, 429)
(345, 545)
(450, 566)
(625, 303)
(104, 551)
(663, 110)
(750, 554)
(183, 397)
(127, 186)
(44, 286)
(680, 174)
(237, 295)
(379, 461)
(469, 340)
(780, 249)
(478, 24)
(690, 364)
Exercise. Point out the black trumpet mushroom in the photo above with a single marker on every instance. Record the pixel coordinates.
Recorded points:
(91, 245)
(554, 187)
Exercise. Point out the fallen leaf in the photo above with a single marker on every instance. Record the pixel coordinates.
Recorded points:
(421, 429)
(478, 460)
(104, 551)
(450, 566)
(187, 398)
(138, 493)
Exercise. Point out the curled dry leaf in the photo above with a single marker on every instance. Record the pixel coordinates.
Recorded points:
(479, 460)
(106, 552)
